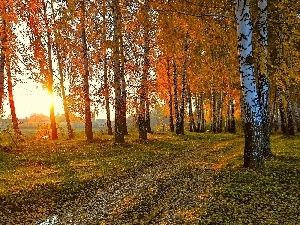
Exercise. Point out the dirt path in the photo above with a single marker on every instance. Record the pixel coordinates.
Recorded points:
(174, 191)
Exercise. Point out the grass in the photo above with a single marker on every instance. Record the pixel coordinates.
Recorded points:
(271, 196)
(61, 162)
(37, 177)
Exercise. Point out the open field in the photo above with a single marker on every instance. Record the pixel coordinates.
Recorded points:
(167, 180)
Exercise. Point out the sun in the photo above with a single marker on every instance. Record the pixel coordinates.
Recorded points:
(49, 98)
(31, 99)
(53, 99)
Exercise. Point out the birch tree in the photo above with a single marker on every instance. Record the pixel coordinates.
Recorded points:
(35, 15)
(144, 106)
(9, 61)
(58, 46)
(170, 95)
(253, 154)
(180, 127)
(119, 105)
(86, 75)
(15, 122)
(50, 72)
(2, 52)
(263, 80)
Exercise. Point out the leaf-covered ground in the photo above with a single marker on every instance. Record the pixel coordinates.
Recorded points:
(191, 179)
(271, 196)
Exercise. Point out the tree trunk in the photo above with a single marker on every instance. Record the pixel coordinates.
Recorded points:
(119, 128)
(263, 80)
(142, 107)
(124, 103)
(202, 118)
(243, 117)
(183, 92)
(61, 81)
(145, 71)
(227, 123)
(282, 71)
(220, 113)
(170, 97)
(86, 92)
(253, 152)
(64, 97)
(2, 60)
(282, 112)
(14, 118)
(213, 107)
(141, 119)
(50, 79)
(180, 127)
(105, 77)
(276, 117)
(274, 114)
(290, 121)
(50, 92)
(231, 120)
(197, 102)
(175, 96)
(148, 123)
(123, 83)
(191, 117)
(85, 84)
(106, 96)
(296, 109)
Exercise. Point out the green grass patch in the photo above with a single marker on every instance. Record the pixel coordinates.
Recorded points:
(243, 196)
(44, 175)
(39, 177)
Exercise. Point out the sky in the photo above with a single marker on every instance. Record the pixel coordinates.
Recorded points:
(29, 96)
(32, 98)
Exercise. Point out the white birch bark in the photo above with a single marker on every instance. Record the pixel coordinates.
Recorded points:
(2, 57)
(197, 103)
(145, 74)
(202, 118)
(263, 42)
(253, 155)
(263, 80)
(184, 87)
(119, 131)
(175, 86)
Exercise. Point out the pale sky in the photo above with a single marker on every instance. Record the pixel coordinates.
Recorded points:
(31, 98)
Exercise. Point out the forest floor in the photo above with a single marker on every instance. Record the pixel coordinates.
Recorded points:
(190, 179)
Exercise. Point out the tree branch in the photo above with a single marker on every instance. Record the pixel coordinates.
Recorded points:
(194, 15)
